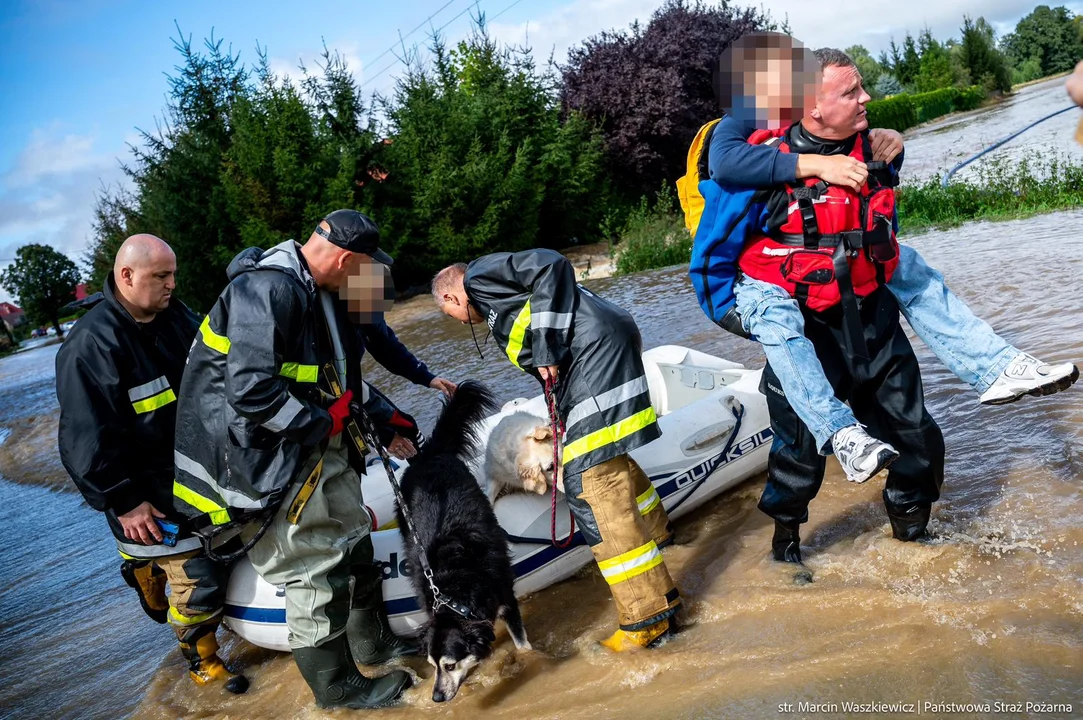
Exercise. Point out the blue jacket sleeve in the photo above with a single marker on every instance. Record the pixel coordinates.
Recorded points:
(734, 162)
(388, 350)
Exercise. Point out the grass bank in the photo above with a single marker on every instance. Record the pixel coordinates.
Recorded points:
(655, 236)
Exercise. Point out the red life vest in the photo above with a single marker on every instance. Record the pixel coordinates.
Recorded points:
(831, 235)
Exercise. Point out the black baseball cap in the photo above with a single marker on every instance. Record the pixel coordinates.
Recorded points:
(356, 232)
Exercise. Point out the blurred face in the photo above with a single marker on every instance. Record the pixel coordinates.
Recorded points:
(767, 88)
(840, 104)
(149, 286)
(368, 290)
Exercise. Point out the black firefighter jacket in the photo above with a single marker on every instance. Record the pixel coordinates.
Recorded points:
(540, 316)
(117, 382)
(252, 402)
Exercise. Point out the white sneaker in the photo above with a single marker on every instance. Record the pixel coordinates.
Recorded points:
(1027, 375)
(860, 454)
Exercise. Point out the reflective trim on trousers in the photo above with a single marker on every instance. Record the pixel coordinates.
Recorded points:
(177, 618)
(630, 564)
(648, 501)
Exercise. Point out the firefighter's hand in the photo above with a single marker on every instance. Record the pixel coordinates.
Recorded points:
(445, 386)
(886, 144)
(139, 525)
(401, 448)
(841, 170)
(547, 372)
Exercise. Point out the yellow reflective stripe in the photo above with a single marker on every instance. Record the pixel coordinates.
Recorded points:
(177, 619)
(154, 402)
(518, 335)
(126, 556)
(608, 435)
(212, 339)
(632, 563)
(300, 373)
(648, 501)
(219, 515)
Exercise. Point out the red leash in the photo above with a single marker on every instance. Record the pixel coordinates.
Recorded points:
(558, 432)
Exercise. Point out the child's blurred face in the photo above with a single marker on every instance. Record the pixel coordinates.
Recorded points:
(768, 87)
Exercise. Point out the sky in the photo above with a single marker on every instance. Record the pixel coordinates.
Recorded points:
(80, 78)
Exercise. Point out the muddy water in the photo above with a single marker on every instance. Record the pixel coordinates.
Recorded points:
(940, 146)
(990, 611)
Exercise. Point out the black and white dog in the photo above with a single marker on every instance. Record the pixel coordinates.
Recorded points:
(463, 543)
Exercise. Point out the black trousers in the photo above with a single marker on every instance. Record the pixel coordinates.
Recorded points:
(885, 394)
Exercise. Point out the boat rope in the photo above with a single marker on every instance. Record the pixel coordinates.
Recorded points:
(947, 176)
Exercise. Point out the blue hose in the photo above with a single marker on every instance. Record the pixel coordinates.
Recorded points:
(994, 146)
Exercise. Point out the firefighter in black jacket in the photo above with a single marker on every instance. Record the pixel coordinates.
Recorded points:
(260, 425)
(550, 327)
(117, 376)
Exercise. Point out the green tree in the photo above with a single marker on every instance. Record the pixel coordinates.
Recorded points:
(888, 85)
(934, 69)
(1048, 36)
(907, 62)
(44, 280)
(177, 175)
(978, 53)
(480, 160)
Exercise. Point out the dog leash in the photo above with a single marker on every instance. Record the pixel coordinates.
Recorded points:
(439, 600)
(558, 433)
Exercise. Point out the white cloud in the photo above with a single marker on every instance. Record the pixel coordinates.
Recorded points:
(312, 60)
(571, 24)
(48, 194)
(838, 24)
(50, 153)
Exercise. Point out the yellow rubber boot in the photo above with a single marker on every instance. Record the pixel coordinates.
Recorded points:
(623, 640)
(204, 665)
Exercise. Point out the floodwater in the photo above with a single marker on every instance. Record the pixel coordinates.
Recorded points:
(939, 146)
(990, 611)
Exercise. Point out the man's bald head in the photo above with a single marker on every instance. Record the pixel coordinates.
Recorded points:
(144, 272)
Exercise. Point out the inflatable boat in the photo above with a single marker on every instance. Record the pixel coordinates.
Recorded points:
(715, 433)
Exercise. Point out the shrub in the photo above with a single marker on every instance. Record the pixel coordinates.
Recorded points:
(896, 113)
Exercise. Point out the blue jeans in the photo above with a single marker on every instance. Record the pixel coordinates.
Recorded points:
(963, 342)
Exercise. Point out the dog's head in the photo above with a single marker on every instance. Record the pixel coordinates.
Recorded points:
(536, 467)
(455, 647)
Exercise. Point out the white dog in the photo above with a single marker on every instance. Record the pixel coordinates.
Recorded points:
(520, 456)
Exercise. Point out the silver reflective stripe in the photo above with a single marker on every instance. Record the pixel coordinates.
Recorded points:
(138, 550)
(188, 544)
(233, 498)
(285, 415)
(147, 389)
(608, 399)
(557, 321)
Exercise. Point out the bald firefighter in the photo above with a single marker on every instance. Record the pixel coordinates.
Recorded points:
(117, 378)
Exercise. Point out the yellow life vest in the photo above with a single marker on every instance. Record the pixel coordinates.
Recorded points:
(688, 186)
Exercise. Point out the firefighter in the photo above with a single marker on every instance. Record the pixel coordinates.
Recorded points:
(562, 333)
(117, 378)
(264, 403)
